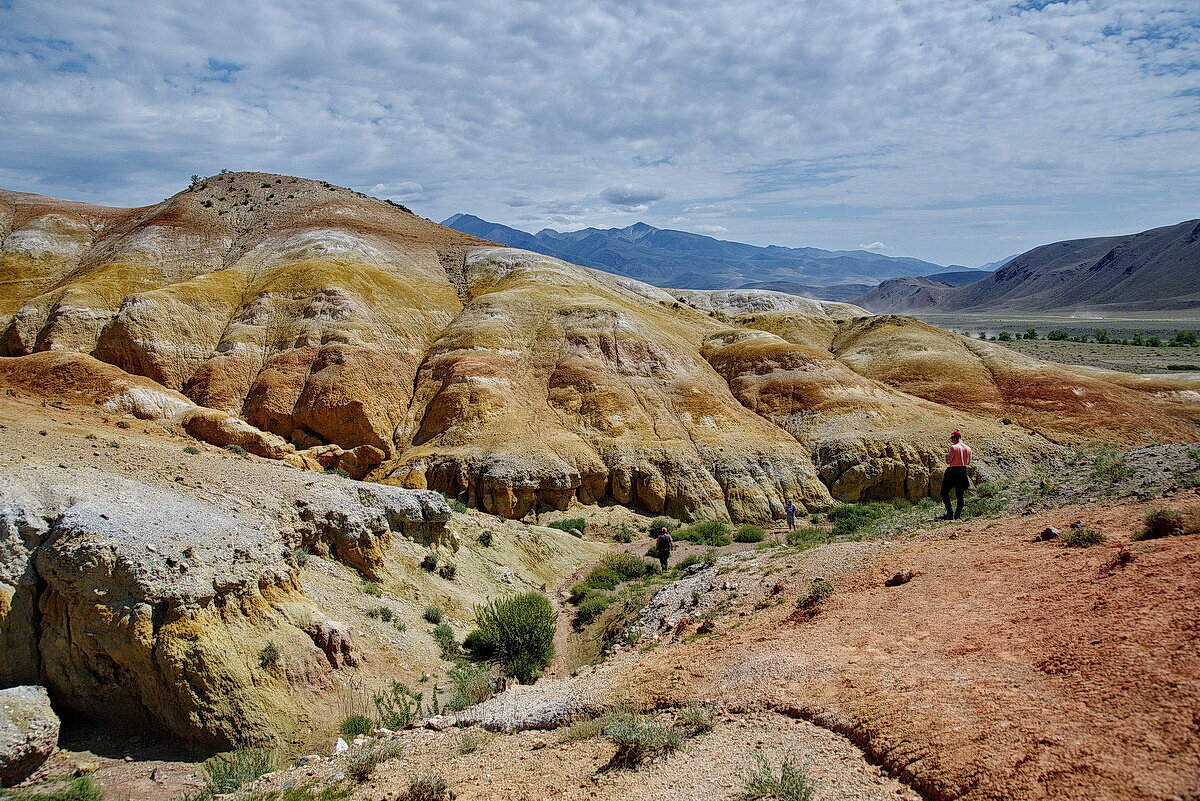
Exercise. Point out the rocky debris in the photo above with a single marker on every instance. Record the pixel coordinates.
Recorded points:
(28, 732)
(1048, 533)
(899, 577)
(548, 704)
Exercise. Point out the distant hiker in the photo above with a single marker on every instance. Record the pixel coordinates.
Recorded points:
(662, 544)
(790, 508)
(956, 478)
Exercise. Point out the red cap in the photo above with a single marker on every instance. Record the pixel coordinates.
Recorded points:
(956, 434)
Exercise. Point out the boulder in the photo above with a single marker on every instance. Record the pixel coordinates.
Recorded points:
(898, 578)
(28, 732)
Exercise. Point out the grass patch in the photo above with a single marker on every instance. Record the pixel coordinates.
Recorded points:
(694, 719)
(1110, 465)
(238, 449)
(1081, 538)
(397, 706)
(227, 772)
(79, 789)
(371, 588)
(469, 685)
(807, 537)
(790, 784)
(708, 532)
(627, 566)
(852, 518)
(361, 762)
(443, 635)
(356, 726)
(639, 741)
(432, 615)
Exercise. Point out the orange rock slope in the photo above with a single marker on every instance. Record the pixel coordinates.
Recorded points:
(349, 332)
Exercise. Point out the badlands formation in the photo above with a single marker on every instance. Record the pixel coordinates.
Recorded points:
(182, 384)
(313, 324)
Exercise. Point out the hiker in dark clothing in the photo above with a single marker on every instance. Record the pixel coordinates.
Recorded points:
(790, 509)
(956, 479)
(662, 545)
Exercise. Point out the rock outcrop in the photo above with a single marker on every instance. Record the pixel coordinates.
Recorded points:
(28, 732)
(309, 323)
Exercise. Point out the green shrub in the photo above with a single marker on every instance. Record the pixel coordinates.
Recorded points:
(602, 579)
(638, 742)
(790, 785)
(79, 789)
(577, 523)
(228, 772)
(485, 538)
(469, 685)
(361, 762)
(381, 613)
(301, 556)
(448, 570)
(623, 533)
(444, 636)
(356, 726)
(749, 533)
(694, 719)
(397, 706)
(238, 449)
(371, 588)
(708, 532)
(337, 471)
(429, 562)
(433, 615)
(851, 518)
(426, 787)
(669, 523)
(807, 537)
(518, 632)
(1081, 538)
(710, 557)
(590, 607)
(127, 424)
(192, 449)
(300, 792)
(688, 561)
(817, 593)
(457, 506)
(626, 566)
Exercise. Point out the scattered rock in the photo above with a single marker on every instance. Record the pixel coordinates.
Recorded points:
(1078, 524)
(28, 732)
(1048, 533)
(340, 747)
(901, 577)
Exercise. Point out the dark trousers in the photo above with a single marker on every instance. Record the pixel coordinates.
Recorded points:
(956, 480)
(663, 557)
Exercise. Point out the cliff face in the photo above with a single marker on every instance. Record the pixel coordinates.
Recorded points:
(332, 329)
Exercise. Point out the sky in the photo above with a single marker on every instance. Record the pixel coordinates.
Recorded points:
(956, 131)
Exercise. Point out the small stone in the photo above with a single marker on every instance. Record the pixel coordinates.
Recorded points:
(311, 759)
(340, 747)
(62, 464)
(538, 744)
(1048, 533)
(901, 577)
(1078, 524)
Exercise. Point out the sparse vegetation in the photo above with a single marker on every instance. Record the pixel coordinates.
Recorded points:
(433, 615)
(430, 562)
(337, 471)
(1110, 465)
(300, 556)
(469, 685)
(694, 719)
(361, 762)
(749, 533)
(90, 436)
(1081, 538)
(356, 726)
(371, 588)
(708, 532)
(237, 449)
(426, 787)
(455, 504)
(227, 772)
(852, 518)
(639, 741)
(485, 538)
(790, 784)
(807, 537)
(448, 570)
(192, 449)
(517, 632)
(397, 706)
(669, 523)
(124, 424)
(269, 656)
(1168, 522)
(817, 593)
(444, 636)
(566, 524)
(78, 789)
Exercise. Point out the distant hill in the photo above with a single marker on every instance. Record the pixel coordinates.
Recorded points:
(838, 292)
(683, 260)
(1151, 270)
(960, 277)
(1155, 270)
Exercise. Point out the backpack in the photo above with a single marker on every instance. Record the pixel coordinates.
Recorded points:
(663, 542)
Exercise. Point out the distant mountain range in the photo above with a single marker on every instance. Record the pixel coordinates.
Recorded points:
(1155, 270)
(682, 260)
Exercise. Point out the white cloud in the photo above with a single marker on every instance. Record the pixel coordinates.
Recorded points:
(711, 230)
(875, 246)
(936, 125)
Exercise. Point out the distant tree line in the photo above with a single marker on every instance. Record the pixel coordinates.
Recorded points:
(1101, 337)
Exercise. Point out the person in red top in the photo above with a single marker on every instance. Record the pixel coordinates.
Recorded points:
(956, 479)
